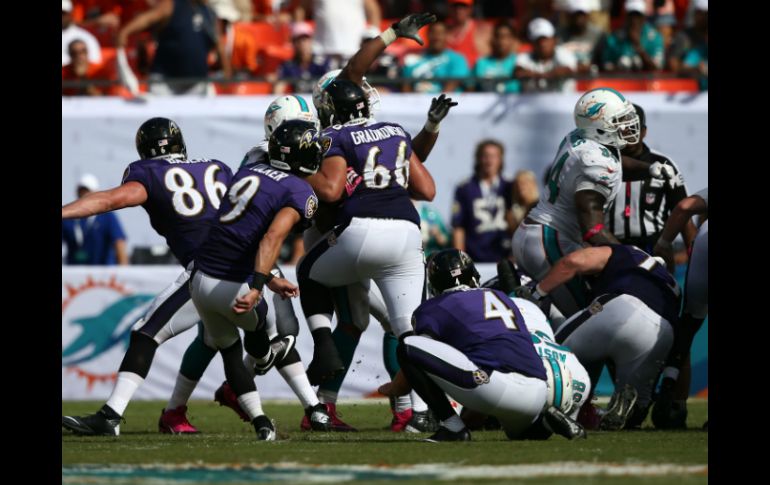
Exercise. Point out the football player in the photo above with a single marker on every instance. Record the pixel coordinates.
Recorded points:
(629, 322)
(582, 181)
(472, 344)
(263, 204)
(181, 197)
(670, 410)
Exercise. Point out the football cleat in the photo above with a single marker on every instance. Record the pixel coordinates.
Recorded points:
(318, 418)
(620, 407)
(225, 396)
(337, 424)
(443, 434)
(422, 422)
(561, 424)
(174, 421)
(105, 422)
(264, 427)
(278, 350)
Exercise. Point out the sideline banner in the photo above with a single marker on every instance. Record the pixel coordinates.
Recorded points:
(100, 305)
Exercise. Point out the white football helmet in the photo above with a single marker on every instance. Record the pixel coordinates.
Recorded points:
(559, 380)
(371, 93)
(606, 116)
(283, 108)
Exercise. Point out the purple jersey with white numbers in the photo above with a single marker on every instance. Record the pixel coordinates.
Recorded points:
(253, 199)
(182, 198)
(483, 324)
(482, 215)
(631, 271)
(377, 156)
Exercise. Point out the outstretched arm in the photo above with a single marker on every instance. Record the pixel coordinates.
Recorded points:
(422, 144)
(580, 262)
(329, 182)
(421, 183)
(676, 223)
(127, 195)
(407, 27)
(157, 14)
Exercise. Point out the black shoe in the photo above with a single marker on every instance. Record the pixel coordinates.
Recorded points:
(264, 428)
(661, 410)
(422, 422)
(319, 417)
(563, 425)
(620, 408)
(326, 364)
(279, 347)
(105, 422)
(443, 434)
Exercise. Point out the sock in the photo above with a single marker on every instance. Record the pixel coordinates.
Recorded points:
(326, 396)
(454, 423)
(389, 346)
(196, 359)
(346, 338)
(251, 403)
(250, 362)
(403, 403)
(319, 321)
(295, 377)
(183, 389)
(124, 389)
(418, 405)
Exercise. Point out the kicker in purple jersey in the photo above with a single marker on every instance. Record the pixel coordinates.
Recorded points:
(182, 198)
(255, 196)
(486, 229)
(377, 156)
(476, 322)
(631, 271)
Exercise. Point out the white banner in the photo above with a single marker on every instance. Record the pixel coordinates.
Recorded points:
(101, 304)
(98, 135)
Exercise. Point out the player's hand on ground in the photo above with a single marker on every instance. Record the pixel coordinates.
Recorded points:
(439, 108)
(409, 26)
(283, 287)
(246, 303)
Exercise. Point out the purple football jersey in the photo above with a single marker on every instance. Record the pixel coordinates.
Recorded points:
(631, 271)
(483, 217)
(377, 156)
(255, 196)
(182, 198)
(483, 324)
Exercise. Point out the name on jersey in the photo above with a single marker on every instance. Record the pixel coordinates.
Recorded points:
(370, 136)
(276, 175)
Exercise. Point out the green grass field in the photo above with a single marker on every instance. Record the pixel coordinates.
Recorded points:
(227, 453)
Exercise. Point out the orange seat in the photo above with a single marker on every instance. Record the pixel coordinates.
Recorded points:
(622, 85)
(244, 88)
(266, 34)
(674, 85)
(272, 56)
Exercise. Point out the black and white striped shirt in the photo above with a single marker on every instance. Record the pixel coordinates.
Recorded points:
(642, 207)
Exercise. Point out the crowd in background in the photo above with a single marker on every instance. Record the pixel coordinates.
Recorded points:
(175, 46)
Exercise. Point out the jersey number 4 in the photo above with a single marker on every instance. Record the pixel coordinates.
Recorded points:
(187, 200)
(496, 308)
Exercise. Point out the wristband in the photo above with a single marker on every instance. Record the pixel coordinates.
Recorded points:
(259, 280)
(431, 126)
(388, 36)
(593, 231)
(539, 292)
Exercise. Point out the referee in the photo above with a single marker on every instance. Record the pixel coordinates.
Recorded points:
(641, 208)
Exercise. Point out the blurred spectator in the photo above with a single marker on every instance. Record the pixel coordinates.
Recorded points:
(304, 65)
(71, 32)
(228, 10)
(79, 69)
(339, 26)
(435, 61)
(696, 63)
(95, 240)
(501, 63)
(663, 16)
(635, 47)
(481, 207)
(465, 35)
(579, 36)
(548, 66)
(188, 32)
(691, 37)
(239, 43)
(435, 235)
(526, 193)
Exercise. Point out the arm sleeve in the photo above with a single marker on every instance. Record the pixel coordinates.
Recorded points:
(137, 172)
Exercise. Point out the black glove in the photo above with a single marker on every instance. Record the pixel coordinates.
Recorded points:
(439, 108)
(409, 25)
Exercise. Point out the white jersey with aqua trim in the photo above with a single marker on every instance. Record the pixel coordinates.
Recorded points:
(546, 346)
(580, 164)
